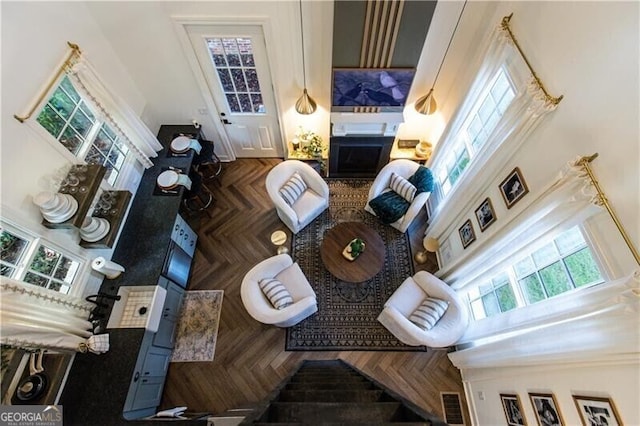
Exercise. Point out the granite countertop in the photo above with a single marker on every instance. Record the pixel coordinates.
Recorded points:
(97, 385)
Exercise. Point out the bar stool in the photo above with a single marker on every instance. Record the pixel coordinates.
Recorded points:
(199, 198)
(207, 164)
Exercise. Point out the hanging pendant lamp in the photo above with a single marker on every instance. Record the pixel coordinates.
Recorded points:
(427, 104)
(305, 104)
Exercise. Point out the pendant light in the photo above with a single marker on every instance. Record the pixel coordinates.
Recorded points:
(305, 104)
(427, 104)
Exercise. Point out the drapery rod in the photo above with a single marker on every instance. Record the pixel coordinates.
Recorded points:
(584, 162)
(73, 54)
(505, 26)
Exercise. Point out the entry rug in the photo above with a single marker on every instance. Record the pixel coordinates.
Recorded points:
(346, 317)
(197, 328)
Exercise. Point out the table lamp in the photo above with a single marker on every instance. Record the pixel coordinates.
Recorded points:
(430, 245)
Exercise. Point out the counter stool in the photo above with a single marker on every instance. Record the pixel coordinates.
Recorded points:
(207, 164)
(199, 198)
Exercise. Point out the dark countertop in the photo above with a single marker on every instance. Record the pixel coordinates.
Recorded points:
(97, 385)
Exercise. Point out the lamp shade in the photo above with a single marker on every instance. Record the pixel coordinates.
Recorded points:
(305, 104)
(430, 244)
(427, 104)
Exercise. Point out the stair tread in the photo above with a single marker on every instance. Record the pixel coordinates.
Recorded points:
(331, 395)
(329, 385)
(336, 412)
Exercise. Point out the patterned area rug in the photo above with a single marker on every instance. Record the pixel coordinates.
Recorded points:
(197, 328)
(346, 317)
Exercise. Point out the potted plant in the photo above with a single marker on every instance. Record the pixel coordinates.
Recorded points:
(354, 249)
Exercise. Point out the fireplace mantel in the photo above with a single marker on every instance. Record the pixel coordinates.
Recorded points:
(355, 123)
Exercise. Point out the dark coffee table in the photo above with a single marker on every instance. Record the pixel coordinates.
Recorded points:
(365, 266)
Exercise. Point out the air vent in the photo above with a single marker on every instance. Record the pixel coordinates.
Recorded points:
(452, 408)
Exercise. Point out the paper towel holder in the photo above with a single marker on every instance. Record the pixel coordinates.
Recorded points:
(106, 267)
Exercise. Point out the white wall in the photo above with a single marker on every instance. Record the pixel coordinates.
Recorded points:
(586, 51)
(34, 42)
(144, 36)
(619, 382)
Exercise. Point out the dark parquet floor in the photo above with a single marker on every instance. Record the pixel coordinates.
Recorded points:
(250, 361)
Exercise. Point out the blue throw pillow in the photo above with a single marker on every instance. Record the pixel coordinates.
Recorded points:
(422, 179)
(389, 206)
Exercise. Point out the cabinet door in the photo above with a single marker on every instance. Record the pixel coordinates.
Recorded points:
(148, 393)
(165, 335)
(156, 362)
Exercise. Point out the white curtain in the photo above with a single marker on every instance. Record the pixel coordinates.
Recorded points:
(600, 324)
(524, 114)
(35, 317)
(130, 128)
(568, 200)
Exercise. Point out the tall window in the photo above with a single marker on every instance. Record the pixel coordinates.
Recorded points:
(564, 264)
(36, 262)
(235, 64)
(478, 125)
(72, 121)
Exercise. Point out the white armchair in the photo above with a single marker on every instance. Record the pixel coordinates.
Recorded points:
(259, 306)
(404, 168)
(311, 203)
(446, 332)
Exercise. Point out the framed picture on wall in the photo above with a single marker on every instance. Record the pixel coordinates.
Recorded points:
(485, 214)
(467, 234)
(546, 409)
(513, 188)
(595, 411)
(513, 409)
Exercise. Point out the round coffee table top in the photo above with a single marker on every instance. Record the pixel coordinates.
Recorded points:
(365, 266)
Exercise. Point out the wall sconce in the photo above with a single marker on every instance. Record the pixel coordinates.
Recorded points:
(431, 245)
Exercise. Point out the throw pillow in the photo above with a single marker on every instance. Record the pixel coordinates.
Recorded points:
(293, 189)
(276, 292)
(402, 186)
(429, 312)
(389, 206)
(423, 180)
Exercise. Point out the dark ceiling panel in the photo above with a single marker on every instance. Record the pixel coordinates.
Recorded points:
(416, 18)
(348, 27)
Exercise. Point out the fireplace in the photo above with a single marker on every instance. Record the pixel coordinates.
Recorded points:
(358, 156)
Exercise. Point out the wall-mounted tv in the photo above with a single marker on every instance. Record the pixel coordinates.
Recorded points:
(371, 87)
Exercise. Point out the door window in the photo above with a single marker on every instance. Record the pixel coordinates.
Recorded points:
(235, 65)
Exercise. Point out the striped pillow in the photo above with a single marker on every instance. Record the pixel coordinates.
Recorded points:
(293, 189)
(402, 187)
(276, 292)
(428, 313)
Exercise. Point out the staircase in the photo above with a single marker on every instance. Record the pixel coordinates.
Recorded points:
(333, 393)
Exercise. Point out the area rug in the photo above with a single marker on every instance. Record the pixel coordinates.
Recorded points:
(197, 328)
(346, 317)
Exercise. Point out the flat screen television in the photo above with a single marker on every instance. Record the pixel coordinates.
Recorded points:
(371, 87)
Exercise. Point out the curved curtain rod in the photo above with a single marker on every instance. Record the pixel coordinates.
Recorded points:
(602, 199)
(68, 62)
(505, 26)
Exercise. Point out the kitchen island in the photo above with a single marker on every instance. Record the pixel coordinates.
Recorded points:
(97, 386)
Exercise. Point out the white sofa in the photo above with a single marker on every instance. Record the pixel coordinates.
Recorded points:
(404, 168)
(446, 332)
(261, 309)
(310, 204)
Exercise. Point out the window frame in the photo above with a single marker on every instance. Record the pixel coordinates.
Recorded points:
(129, 163)
(34, 242)
(459, 135)
(514, 278)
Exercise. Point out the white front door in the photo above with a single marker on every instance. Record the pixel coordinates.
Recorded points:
(234, 63)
